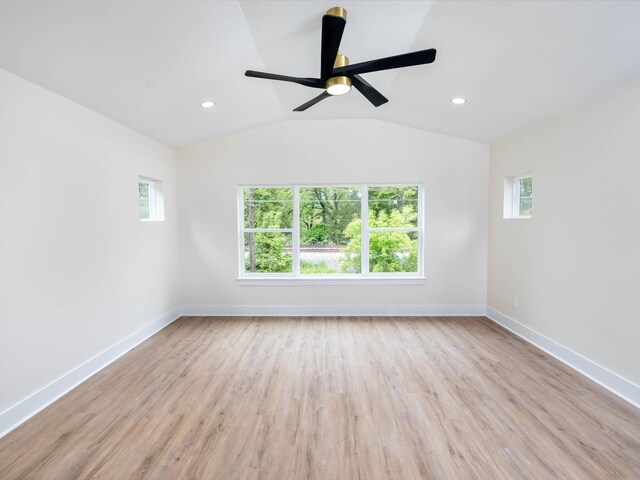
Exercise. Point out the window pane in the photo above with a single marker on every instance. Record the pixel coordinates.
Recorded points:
(525, 207)
(393, 251)
(268, 207)
(393, 207)
(143, 197)
(525, 191)
(329, 225)
(267, 252)
(526, 187)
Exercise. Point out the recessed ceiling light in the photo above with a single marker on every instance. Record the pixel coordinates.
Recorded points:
(207, 104)
(458, 100)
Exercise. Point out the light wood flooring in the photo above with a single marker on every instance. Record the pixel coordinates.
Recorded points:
(330, 398)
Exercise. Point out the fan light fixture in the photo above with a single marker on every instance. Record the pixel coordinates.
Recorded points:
(339, 85)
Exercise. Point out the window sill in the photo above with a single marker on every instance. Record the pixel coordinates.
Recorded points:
(310, 280)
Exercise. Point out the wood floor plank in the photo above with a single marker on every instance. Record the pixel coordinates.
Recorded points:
(330, 398)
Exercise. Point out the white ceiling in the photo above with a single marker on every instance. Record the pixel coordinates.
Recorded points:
(149, 64)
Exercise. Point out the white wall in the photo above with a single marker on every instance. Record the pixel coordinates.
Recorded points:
(76, 264)
(575, 266)
(454, 172)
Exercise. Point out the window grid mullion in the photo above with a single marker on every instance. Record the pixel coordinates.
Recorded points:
(420, 212)
(241, 259)
(398, 229)
(364, 225)
(516, 198)
(295, 240)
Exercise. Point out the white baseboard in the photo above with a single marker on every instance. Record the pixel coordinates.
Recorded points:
(621, 387)
(333, 310)
(22, 411)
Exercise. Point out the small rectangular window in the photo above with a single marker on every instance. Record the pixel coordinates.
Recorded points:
(518, 196)
(150, 199)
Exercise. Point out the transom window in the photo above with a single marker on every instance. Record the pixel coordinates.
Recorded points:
(330, 231)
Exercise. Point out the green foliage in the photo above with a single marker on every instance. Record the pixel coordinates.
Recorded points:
(392, 252)
(263, 205)
(388, 199)
(268, 208)
(272, 219)
(316, 235)
(143, 197)
(315, 268)
(270, 252)
(388, 251)
(325, 212)
(526, 187)
(526, 192)
(352, 254)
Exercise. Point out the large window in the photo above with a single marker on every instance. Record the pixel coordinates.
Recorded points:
(330, 231)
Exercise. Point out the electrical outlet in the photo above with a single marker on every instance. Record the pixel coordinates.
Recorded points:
(317, 291)
(145, 310)
(515, 303)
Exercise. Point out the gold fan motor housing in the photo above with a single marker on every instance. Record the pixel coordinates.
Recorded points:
(337, 12)
(341, 61)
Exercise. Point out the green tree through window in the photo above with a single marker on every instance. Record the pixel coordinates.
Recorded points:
(143, 197)
(329, 229)
(268, 209)
(525, 193)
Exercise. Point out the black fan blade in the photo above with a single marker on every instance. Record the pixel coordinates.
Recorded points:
(332, 29)
(397, 61)
(311, 102)
(365, 88)
(307, 82)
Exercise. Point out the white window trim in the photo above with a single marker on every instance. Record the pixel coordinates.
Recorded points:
(516, 196)
(364, 278)
(333, 280)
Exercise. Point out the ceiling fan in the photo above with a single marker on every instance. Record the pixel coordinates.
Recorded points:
(336, 75)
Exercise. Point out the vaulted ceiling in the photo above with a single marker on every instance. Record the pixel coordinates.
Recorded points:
(149, 64)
